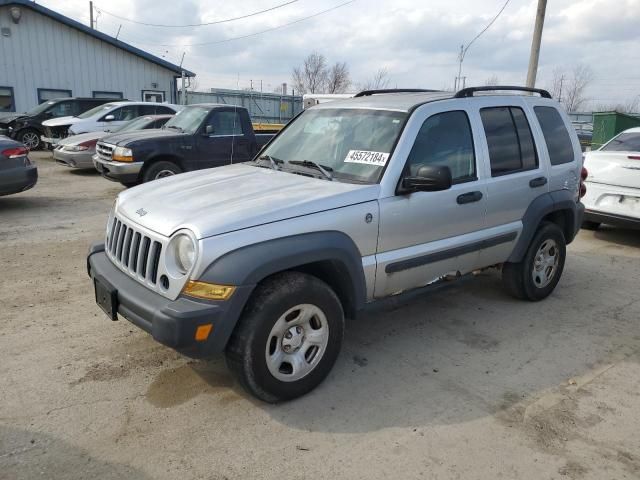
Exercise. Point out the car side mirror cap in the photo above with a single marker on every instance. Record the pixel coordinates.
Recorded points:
(209, 130)
(109, 118)
(429, 178)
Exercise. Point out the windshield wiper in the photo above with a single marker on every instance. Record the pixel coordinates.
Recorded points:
(273, 161)
(180, 129)
(308, 163)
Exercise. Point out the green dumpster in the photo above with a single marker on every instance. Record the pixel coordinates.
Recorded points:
(607, 125)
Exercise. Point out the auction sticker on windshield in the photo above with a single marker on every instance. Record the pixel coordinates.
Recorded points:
(379, 159)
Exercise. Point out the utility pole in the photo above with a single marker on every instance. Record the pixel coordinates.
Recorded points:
(91, 14)
(535, 44)
(560, 92)
(184, 85)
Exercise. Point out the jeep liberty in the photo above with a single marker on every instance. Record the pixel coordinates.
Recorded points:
(354, 201)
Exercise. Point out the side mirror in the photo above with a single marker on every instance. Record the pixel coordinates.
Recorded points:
(209, 130)
(430, 178)
(109, 118)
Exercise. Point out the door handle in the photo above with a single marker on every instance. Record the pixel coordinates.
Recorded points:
(469, 197)
(538, 182)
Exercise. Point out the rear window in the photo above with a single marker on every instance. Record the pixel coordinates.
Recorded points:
(556, 136)
(625, 142)
(511, 147)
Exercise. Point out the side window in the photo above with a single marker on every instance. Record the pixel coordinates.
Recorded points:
(148, 110)
(555, 135)
(445, 139)
(128, 112)
(159, 123)
(225, 123)
(160, 110)
(511, 147)
(7, 103)
(61, 109)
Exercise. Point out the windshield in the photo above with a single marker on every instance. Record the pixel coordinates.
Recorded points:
(40, 108)
(95, 110)
(187, 120)
(353, 144)
(132, 125)
(625, 142)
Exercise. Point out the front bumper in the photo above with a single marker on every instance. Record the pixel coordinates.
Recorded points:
(118, 171)
(74, 159)
(171, 322)
(18, 179)
(49, 142)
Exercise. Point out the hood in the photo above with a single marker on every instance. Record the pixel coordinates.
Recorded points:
(7, 119)
(220, 200)
(56, 122)
(83, 137)
(127, 138)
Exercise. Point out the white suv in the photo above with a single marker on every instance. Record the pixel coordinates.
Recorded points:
(353, 202)
(102, 117)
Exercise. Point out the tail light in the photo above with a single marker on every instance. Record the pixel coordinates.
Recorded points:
(584, 173)
(15, 152)
(634, 157)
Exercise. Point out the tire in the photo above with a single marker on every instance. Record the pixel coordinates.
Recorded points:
(537, 275)
(589, 225)
(268, 327)
(30, 138)
(129, 184)
(160, 170)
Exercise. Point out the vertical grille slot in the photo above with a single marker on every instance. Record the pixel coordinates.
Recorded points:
(135, 247)
(144, 257)
(123, 232)
(126, 249)
(154, 261)
(114, 236)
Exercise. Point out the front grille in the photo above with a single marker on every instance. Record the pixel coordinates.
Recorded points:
(135, 252)
(104, 151)
(61, 131)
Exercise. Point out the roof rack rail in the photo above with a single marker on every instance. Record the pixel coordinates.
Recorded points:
(366, 93)
(468, 92)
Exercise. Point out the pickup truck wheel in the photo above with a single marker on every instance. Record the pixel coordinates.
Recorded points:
(536, 276)
(160, 170)
(288, 338)
(30, 138)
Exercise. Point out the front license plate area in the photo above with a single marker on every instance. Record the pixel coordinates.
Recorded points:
(106, 298)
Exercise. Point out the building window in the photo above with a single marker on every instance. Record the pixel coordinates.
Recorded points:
(7, 102)
(100, 94)
(45, 94)
(153, 96)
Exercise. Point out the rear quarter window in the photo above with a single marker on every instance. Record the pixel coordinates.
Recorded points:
(556, 135)
(625, 142)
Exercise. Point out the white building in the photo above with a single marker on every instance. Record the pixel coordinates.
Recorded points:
(45, 55)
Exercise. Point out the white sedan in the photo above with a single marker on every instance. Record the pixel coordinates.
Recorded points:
(613, 183)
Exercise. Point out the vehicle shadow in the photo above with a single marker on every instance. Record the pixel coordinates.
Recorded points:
(465, 353)
(620, 236)
(84, 172)
(25, 455)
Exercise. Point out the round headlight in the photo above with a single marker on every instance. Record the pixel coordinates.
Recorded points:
(184, 252)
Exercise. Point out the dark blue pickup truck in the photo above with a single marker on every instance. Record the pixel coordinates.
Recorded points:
(197, 137)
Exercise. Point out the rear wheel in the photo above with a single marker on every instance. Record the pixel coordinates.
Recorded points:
(288, 338)
(589, 225)
(30, 138)
(160, 170)
(537, 275)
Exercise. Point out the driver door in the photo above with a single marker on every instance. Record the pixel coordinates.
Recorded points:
(425, 235)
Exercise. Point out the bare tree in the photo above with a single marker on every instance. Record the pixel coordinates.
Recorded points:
(338, 80)
(492, 81)
(571, 88)
(311, 77)
(378, 81)
(630, 106)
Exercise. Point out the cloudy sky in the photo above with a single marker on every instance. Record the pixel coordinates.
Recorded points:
(417, 41)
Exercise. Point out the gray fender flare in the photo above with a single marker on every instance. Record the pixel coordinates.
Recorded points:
(251, 264)
(542, 206)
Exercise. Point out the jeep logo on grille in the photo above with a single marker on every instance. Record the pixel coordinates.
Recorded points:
(142, 212)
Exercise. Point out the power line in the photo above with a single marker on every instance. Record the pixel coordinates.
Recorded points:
(99, 9)
(250, 34)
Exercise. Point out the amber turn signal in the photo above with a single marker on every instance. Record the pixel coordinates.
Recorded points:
(203, 331)
(208, 291)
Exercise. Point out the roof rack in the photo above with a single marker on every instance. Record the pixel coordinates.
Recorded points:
(468, 92)
(366, 93)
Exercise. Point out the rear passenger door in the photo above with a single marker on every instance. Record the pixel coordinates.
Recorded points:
(516, 176)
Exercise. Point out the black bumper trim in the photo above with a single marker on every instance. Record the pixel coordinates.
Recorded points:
(612, 219)
(171, 322)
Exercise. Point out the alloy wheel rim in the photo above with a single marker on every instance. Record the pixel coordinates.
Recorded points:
(297, 342)
(545, 263)
(164, 173)
(30, 139)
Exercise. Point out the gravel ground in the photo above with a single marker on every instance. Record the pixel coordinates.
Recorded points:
(465, 383)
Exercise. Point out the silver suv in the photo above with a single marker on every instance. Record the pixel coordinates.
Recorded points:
(353, 202)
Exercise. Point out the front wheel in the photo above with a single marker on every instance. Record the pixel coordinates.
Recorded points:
(160, 169)
(537, 275)
(30, 138)
(288, 338)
